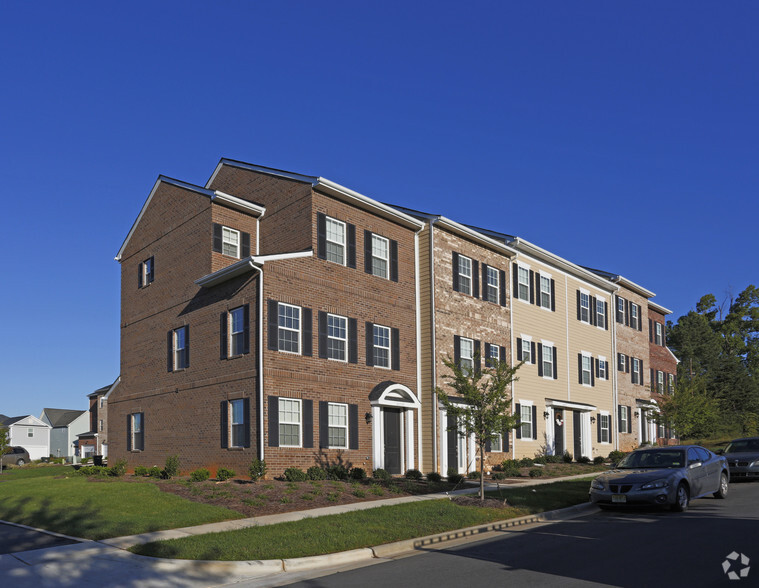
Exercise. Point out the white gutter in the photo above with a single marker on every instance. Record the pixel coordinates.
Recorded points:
(513, 350)
(260, 359)
(433, 333)
(418, 342)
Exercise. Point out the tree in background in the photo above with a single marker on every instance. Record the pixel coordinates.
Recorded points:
(3, 444)
(482, 402)
(691, 409)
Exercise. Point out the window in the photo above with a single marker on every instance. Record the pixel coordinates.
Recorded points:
(337, 337)
(146, 273)
(634, 315)
(601, 314)
(620, 310)
(335, 240)
(102, 401)
(604, 428)
(289, 328)
(526, 350)
(492, 291)
(603, 368)
(636, 371)
(237, 423)
(100, 425)
(496, 442)
(380, 256)
(525, 414)
(289, 422)
(181, 354)
(137, 434)
(493, 354)
(465, 275)
(381, 346)
(658, 328)
(466, 355)
(670, 383)
(237, 331)
(660, 382)
(587, 366)
(338, 425)
(545, 291)
(547, 360)
(584, 307)
(621, 362)
(624, 420)
(30, 432)
(523, 284)
(230, 242)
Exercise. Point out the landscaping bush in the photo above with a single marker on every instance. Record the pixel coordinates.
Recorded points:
(536, 473)
(223, 474)
(473, 475)
(455, 478)
(338, 472)
(86, 460)
(257, 469)
(526, 462)
(598, 460)
(413, 474)
(140, 471)
(498, 476)
(541, 459)
(583, 459)
(616, 456)
(554, 458)
(154, 472)
(434, 477)
(200, 475)
(380, 474)
(295, 475)
(171, 468)
(316, 473)
(358, 474)
(92, 470)
(118, 469)
(510, 468)
(567, 457)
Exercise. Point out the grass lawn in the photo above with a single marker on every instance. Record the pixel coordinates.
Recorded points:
(333, 533)
(56, 499)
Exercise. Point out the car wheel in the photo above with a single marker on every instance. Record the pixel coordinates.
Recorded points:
(20, 461)
(723, 486)
(682, 498)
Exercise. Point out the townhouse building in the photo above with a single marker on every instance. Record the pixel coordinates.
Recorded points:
(663, 370)
(274, 316)
(95, 440)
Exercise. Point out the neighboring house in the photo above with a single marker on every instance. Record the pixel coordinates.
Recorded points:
(273, 316)
(95, 440)
(30, 433)
(663, 370)
(65, 425)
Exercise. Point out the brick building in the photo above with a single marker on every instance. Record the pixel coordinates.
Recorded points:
(663, 366)
(95, 440)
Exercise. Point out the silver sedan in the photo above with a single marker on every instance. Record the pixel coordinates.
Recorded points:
(662, 476)
(743, 458)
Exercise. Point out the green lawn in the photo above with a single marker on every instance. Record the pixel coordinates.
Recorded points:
(55, 499)
(330, 534)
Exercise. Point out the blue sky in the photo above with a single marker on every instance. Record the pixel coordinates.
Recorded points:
(619, 135)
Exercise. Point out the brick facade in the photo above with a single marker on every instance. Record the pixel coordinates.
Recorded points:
(663, 367)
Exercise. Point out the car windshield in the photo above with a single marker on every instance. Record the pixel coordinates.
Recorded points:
(664, 458)
(743, 446)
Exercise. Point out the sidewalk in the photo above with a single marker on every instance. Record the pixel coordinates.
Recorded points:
(107, 563)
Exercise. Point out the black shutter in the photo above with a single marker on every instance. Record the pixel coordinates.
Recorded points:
(502, 353)
(487, 445)
(308, 423)
(534, 422)
(487, 355)
(502, 287)
(619, 419)
(273, 421)
(353, 426)
(477, 359)
(515, 280)
(555, 364)
(538, 290)
(641, 372)
(629, 419)
(627, 313)
(592, 312)
(351, 246)
(519, 349)
(369, 344)
(533, 356)
(367, 252)
(223, 334)
(456, 349)
(531, 287)
(640, 318)
(224, 423)
(246, 420)
(352, 340)
(273, 324)
(151, 275)
(553, 295)
(140, 270)
(217, 240)
(246, 328)
(170, 351)
(540, 360)
(598, 427)
(455, 268)
(475, 278)
(395, 343)
(323, 424)
(505, 440)
(593, 369)
(606, 316)
(129, 432)
(245, 245)
(307, 345)
(393, 260)
(321, 235)
(518, 413)
(579, 365)
(485, 282)
(611, 428)
(322, 320)
(650, 331)
(579, 307)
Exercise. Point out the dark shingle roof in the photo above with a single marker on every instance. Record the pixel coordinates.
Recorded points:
(60, 417)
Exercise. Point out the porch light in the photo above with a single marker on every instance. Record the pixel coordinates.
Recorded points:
(368, 417)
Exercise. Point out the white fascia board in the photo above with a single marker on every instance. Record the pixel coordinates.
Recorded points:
(571, 405)
(112, 388)
(637, 288)
(475, 236)
(244, 266)
(237, 203)
(672, 354)
(551, 258)
(261, 169)
(658, 308)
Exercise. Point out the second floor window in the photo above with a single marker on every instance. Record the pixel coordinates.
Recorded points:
(620, 310)
(545, 291)
(523, 284)
(230, 242)
(658, 334)
(237, 331)
(466, 357)
(465, 275)
(381, 346)
(289, 328)
(584, 307)
(548, 366)
(635, 370)
(660, 382)
(146, 272)
(181, 348)
(601, 314)
(337, 337)
(634, 315)
(380, 256)
(492, 292)
(335, 241)
(587, 367)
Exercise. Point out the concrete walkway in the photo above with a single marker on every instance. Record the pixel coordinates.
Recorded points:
(106, 563)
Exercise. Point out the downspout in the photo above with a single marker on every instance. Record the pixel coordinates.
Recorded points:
(260, 358)
(615, 384)
(437, 464)
(418, 344)
(512, 343)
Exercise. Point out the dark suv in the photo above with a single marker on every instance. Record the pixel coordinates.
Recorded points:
(16, 455)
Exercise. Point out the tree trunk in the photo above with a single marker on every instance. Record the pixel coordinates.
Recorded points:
(482, 473)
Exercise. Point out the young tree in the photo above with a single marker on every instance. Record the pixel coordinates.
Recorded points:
(691, 409)
(482, 402)
(3, 444)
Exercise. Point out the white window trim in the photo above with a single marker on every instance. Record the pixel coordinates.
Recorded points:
(343, 245)
(589, 357)
(499, 437)
(134, 432)
(462, 276)
(345, 341)
(601, 302)
(548, 277)
(521, 266)
(530, 404)
(602, 362)
(389, 348)
(625, 420)
(385, 259)
(553, 367)
(621, 308)
(232, 332)
(606, 414)
(658, 333)
(586, 293)
(224, 232)
(636, 315)
(497, 284)
(299, 330)
(660, 379)
(232, 423)
(330, 404)
(299, 402)
(176, 349)
(461, 353)
(635, 369)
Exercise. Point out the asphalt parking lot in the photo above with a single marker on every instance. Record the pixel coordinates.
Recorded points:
(14, 539)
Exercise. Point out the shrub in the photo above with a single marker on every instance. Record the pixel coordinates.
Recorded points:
(257, 469)
(510, 468)
(154, 472)
(473, 475)
(316, 473)
(616, 456)
(434, 477)
(358, 474)
(413, 474)
(536, 473)
(455, 478)
(200, 475)
(295, 475)
(86, 460)
(223, 474)
(171, 468)
(92, 470)
(380, 474)
(554, 458)
(541, 459)
(140, 471)
(526, 462)
(337, 472)
(567, 457)
(118, 469)
(583, 459)
(498, 476)
(597, 460)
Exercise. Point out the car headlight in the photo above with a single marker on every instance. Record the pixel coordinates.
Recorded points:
(655, 484)
(754, 464)
(596, 485)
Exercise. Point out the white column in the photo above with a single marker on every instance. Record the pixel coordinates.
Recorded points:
(410, 438)
(378, 441)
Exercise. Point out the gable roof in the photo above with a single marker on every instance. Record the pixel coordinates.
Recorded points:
(32, 421)
(622, 281)
(61, 417)
(105, 390)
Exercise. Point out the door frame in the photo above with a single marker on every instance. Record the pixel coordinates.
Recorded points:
(394, 395)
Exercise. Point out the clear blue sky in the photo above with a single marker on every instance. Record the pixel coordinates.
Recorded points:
(619, 135)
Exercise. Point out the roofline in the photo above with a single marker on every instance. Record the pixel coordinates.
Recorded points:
(237, 203)
(106, 390)
(622, 281)
(331, 188)
(245, 265)
(659, 308)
